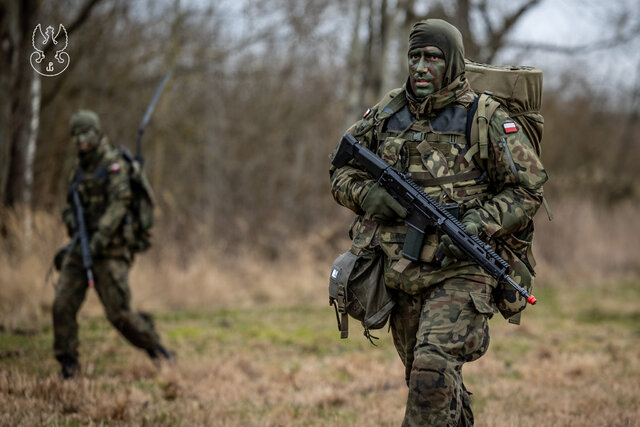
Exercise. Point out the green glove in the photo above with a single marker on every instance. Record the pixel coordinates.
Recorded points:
(448, 250)
(98, 242)
(70, 221)
(381, 205)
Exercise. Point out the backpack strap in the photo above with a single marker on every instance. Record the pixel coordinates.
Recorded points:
(391, 103)
(477, 130)
(486, 108)
(78, 177)
(389, 108)
(394, 105)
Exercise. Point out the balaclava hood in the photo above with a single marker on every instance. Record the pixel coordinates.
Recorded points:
(446, 37)
(88, 119)
(455, 87)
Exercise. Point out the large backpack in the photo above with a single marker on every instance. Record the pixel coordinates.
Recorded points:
(518, 90)
(141, 211)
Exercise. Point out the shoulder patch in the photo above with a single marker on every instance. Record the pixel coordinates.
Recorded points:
(366, 113)
(114, 168)
(510, 127)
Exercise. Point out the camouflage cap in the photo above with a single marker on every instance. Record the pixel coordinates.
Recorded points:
(84, 118)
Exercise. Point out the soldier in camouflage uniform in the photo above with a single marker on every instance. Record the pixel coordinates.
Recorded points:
(443, 302)
(102, 175)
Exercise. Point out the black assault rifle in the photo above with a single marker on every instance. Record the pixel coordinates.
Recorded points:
(82, 235)
(424, 213)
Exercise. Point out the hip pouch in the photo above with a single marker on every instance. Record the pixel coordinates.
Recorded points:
(357, 289)
(509, 302)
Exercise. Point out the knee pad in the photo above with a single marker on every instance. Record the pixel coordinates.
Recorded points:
(430, 380)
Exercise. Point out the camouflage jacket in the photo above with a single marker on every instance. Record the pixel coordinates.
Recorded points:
(105, 191)
(505, 189)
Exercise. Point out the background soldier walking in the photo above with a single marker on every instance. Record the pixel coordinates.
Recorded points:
(102, 179)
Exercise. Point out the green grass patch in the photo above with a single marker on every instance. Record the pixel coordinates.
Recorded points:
(598, 315)
(269, 364)
(184, 332)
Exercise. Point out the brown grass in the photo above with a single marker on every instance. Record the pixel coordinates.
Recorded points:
(258, 345)
(573, 363)
(588, 242)
(584, 244)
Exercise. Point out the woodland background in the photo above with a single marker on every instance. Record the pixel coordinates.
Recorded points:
(237, 153)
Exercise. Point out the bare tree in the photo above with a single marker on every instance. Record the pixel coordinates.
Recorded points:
(258, 97)
(486, 26)
(17, 23)
(19, 121)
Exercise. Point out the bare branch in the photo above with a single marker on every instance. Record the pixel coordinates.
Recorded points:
(82, 16)
(482, 7)
(510, 21)
(603, 44)
(497, 38)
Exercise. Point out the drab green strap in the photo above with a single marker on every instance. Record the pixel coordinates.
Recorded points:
(472, 152)
(344, 326)
(515, 319)
(483, 126)
(480, 126)
(492, 106)
(393, 106)
(425, 179)
(401, 265)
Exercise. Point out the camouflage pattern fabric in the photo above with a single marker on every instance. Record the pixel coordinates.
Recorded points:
(112, 286)
(105, 191)
(435, 332)
(505, 191)
(440, 319)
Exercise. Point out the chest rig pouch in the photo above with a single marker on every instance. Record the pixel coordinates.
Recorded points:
(92, 189)
(432, 152)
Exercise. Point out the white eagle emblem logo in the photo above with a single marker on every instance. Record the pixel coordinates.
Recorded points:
(49, 50)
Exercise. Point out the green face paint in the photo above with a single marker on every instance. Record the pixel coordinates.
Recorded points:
(426, 70)
(86, 139)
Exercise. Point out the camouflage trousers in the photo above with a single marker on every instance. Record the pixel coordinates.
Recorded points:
(435, 332)
(112, 286)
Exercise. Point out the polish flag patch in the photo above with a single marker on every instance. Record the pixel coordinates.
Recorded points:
(510, 127)
(114, 167)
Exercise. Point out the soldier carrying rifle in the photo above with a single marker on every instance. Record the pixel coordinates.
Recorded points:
(443, 299)
(106, 234)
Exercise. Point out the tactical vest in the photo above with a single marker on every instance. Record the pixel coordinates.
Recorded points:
(93, 186)
(434, 154)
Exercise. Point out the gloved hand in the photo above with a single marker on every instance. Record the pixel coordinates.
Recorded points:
(447, 250)
(98, 242)
(70, 221)
(381, 205)
(60, 256)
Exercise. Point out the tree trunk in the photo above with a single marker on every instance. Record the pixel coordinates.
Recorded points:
(8, 62)
(354, 62)
(18, 21)
(34, 125)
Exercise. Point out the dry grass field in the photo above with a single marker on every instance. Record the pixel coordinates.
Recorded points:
(257, 343)
(575, 362)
